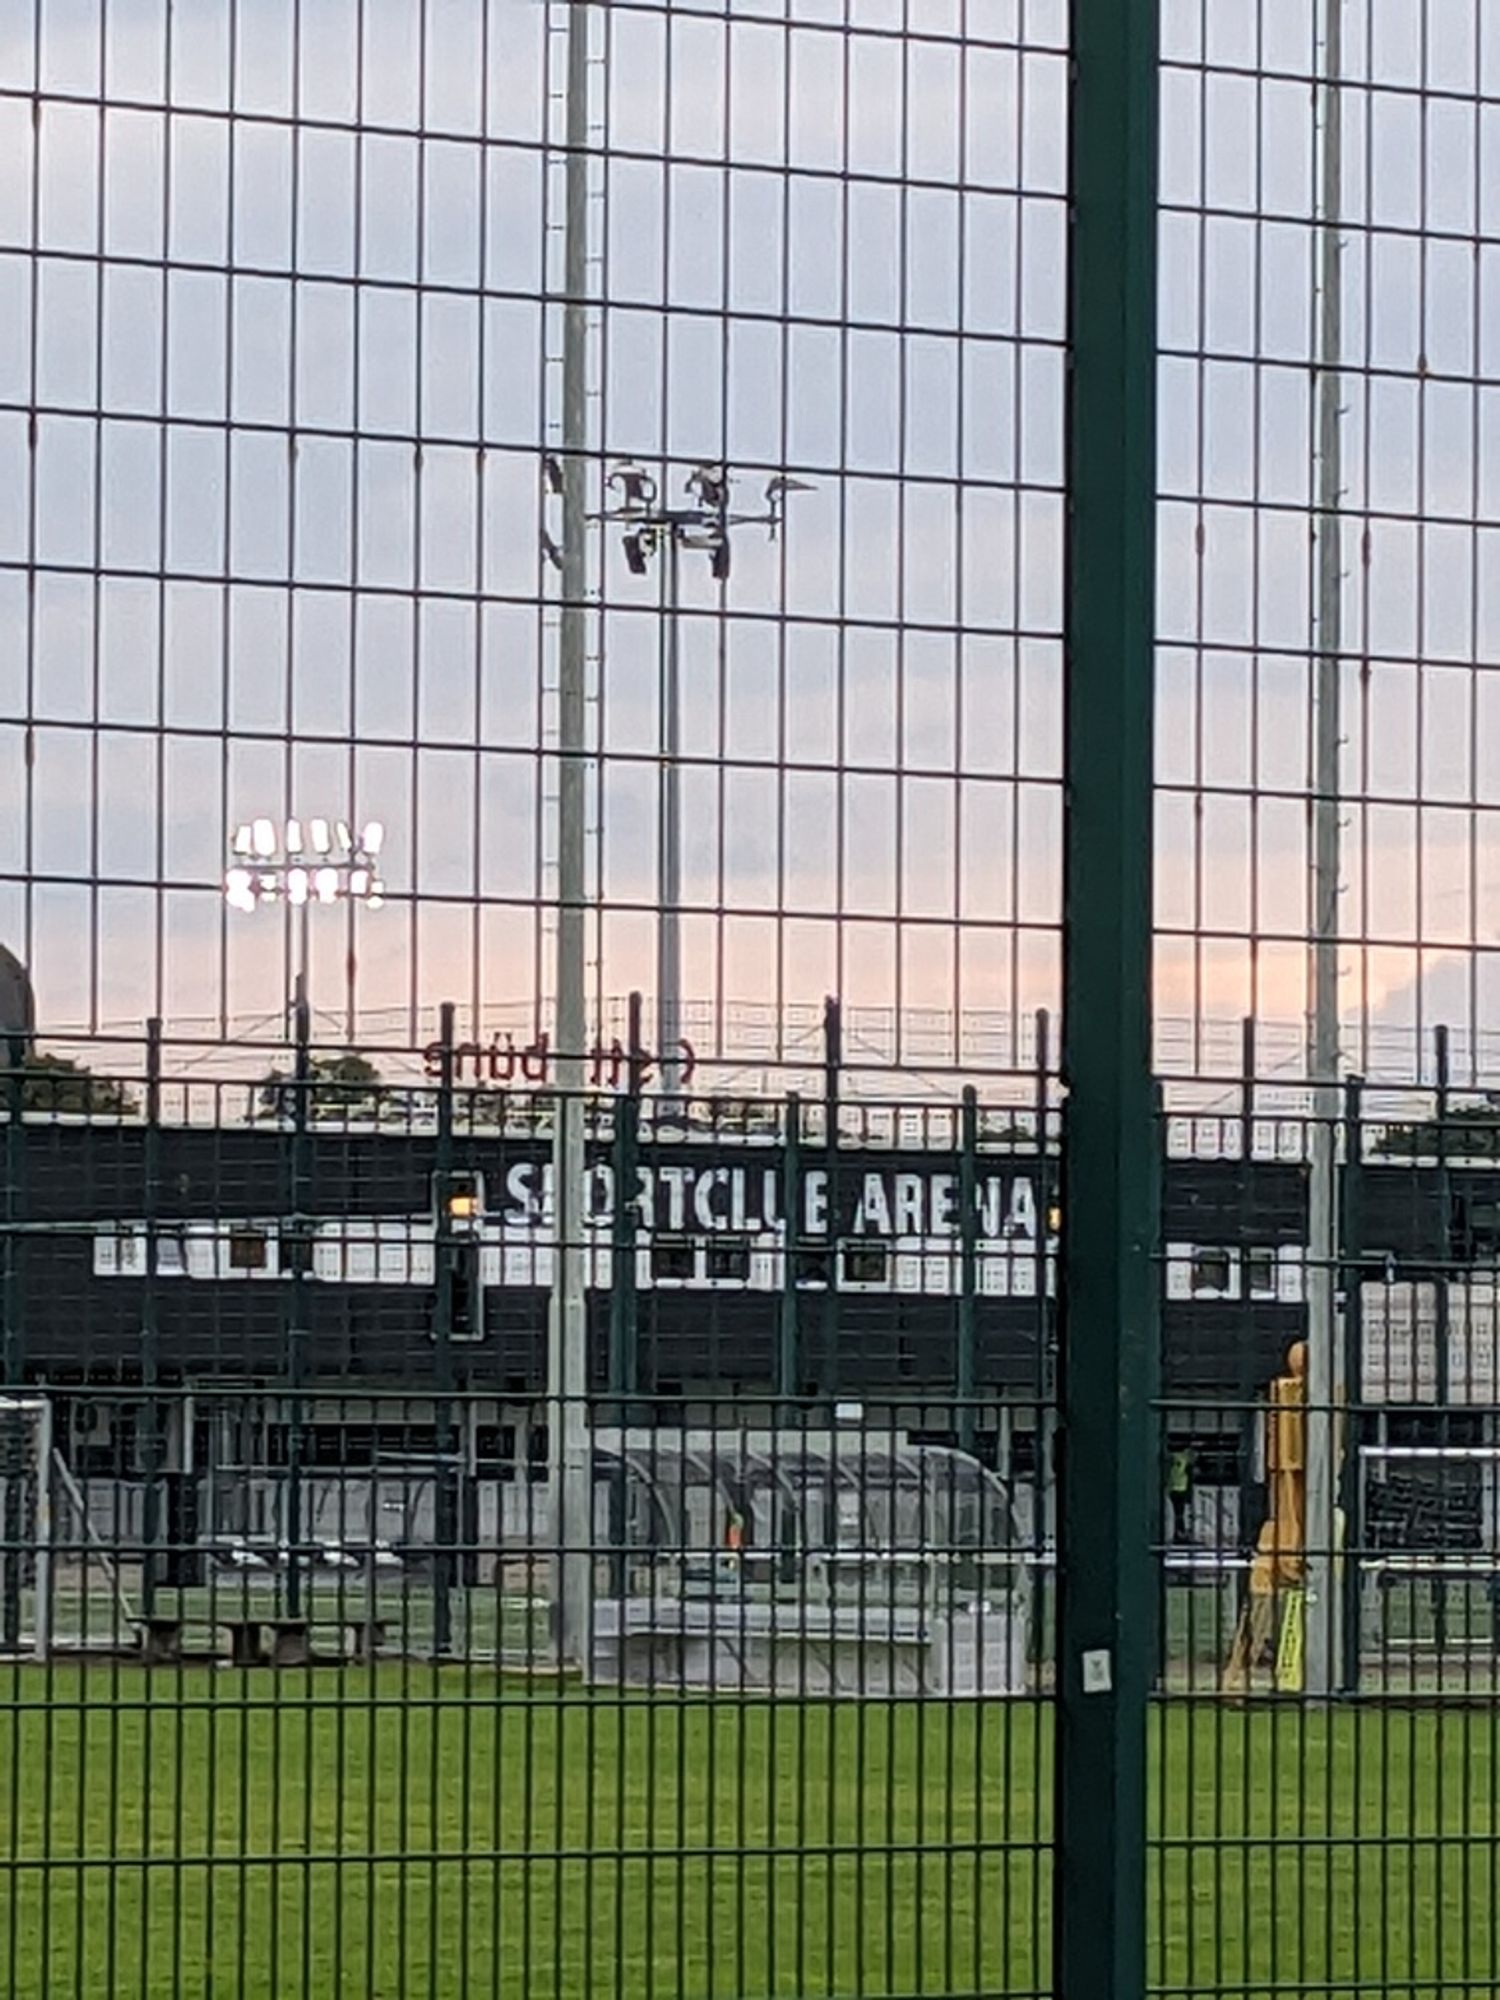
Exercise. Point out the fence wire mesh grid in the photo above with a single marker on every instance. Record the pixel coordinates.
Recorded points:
(563, 510)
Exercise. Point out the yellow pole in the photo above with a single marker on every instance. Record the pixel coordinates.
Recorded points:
(1276, 1572)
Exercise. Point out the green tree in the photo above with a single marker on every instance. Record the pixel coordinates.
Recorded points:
(343, 1087)
(1470, 1131)
(59, 1084)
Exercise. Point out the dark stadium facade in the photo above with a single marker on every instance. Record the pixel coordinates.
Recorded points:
(212, 1255)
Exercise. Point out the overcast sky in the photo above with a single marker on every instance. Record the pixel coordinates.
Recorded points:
(825, 251)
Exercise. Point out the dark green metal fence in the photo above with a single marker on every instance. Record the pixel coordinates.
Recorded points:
(321, 1672)
(1339, 1835)
(771, 1771)
(988, 1487)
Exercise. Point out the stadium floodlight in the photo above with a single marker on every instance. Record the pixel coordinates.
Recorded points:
(327, 864)
(636, 487)
(711, 486)
(704, 522)
(304, 863)
(637, 547)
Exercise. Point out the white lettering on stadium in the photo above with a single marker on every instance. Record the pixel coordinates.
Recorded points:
(747, 1201)
(912, 1211)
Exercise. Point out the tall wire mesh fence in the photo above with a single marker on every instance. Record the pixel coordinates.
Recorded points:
(473, 462)
(1326, 616)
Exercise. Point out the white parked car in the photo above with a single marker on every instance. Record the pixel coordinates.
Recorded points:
(234, 1552)
(333, 1555)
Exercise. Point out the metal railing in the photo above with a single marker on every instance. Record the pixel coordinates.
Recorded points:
(982, 1485)
(286, 1657)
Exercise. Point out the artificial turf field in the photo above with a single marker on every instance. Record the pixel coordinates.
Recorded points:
(410, 1831)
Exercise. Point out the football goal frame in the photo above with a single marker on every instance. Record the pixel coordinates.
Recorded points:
(38, 1487)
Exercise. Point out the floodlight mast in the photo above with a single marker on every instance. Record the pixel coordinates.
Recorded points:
(299, 863)
(564, 475)
(17, 1023)
(569, 1452)
(1326, 1389)
(704, 522)
(303, 862)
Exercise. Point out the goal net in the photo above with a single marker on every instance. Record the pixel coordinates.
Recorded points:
(61, 1583)
(1430, 1547)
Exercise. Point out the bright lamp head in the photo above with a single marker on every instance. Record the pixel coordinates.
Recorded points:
(302, 861)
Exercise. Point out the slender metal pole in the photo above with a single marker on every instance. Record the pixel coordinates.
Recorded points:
(826, 1373)
(1442, 1302)
(300, 996)
(1352, 1240)
(789, 1339)
(1109, 1346)
(301, 1204)
(43, 1530)
(1324, 1384)
(622, 1298)
(1044, 1502)
(1247, 1388)
(445, 1510)
(669, 858)
(152, 1567)
(569, 1469)
(13, 1181)
(968, 1266)
(1441, 1314)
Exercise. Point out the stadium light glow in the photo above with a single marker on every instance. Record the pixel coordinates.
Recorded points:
(301, 862)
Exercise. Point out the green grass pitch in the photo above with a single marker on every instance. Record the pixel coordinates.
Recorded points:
(215, 1835)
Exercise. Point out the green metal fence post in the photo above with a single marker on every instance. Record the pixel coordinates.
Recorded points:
(833, 1061)
(623, 1303)
(445, 1443)
(1044, 1416)
(968, 1263)
(1109, 1280)
(13, 1363)
(151, 1521)
(1441, 1306)
(1247, 1389)
(1046, 1322)
(1155, 1498)
(624, 1299)
(788, 1362)
(1350, 1282)
(301, 1244)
